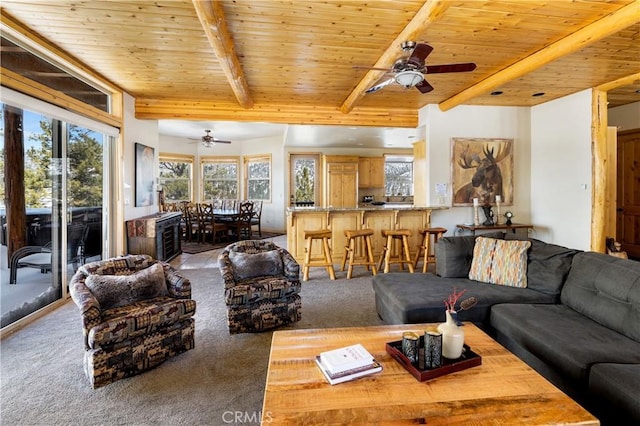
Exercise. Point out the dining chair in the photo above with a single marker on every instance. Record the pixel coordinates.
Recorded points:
(256, 217)
(192, 222)
(208, 224)
(242, 221)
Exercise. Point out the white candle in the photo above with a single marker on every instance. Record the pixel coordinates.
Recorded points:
(475, 202)
(498, 198)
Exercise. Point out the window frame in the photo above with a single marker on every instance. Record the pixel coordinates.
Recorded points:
(214, 159)
(403, 159)
(260, 158)
(317, 158)
(178, 158)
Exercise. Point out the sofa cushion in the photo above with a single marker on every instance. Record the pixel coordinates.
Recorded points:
(563, 338)
(547, 265)
(607, 290)
(454, 254)
(403, 298)
(500, 262)
(250, 265)
(617, 385)
(139, 318)
(113, 291)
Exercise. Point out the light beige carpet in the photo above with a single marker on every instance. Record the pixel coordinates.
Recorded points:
(219, 382)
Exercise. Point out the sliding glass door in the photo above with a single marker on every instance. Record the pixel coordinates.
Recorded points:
(51, 207)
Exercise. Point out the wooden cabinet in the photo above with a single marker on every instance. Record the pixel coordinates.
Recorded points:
(371, 172)
(157, 235)
(341, 181)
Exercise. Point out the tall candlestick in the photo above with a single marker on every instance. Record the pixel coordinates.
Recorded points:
(498, 214)
(476, 203)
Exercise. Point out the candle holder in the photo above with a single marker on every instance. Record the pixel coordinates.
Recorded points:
(498, 214)
(476, 216)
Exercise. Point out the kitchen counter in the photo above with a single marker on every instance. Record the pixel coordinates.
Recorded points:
(338, 220)
(366, 207)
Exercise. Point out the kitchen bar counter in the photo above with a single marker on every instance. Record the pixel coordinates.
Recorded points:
(387, 216)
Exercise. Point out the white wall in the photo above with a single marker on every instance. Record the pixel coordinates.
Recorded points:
(146, 133)
(625, 117)
(561, 170)
(475, 122)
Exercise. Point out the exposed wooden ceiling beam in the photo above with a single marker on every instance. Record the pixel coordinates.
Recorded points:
(213, 21)
(431, 11)
(610, 24)
(158, 109)
(624, 81)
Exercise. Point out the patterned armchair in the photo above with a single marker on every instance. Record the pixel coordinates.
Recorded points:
(261, 286)
(136, 312)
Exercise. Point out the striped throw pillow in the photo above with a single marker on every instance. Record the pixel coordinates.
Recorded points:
(500, 262)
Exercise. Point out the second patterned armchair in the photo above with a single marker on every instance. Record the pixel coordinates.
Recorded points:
(261, 286)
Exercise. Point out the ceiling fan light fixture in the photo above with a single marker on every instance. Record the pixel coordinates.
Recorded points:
(409, 78)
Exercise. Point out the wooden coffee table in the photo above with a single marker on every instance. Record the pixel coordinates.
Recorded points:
(503, 390)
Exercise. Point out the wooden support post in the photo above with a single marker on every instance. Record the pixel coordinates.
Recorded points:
(14, 180)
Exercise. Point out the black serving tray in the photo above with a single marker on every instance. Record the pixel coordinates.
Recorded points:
(467, 360)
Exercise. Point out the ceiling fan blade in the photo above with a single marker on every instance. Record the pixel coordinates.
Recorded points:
(379, 86)
(220, 141)
(424, 87)
(436, 69)
(420, 53)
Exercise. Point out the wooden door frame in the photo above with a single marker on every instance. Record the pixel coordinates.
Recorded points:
(603, 179)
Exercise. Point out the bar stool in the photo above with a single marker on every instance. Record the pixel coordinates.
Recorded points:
(429, 249)
(325, 260)
(350, 249)
(403, 257)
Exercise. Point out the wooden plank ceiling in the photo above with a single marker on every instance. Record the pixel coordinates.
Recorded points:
(292, 61)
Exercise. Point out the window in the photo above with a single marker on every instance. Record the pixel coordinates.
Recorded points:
(220, 177)
(304, 179)
(175, 177)
(258, 173)
(398, 172)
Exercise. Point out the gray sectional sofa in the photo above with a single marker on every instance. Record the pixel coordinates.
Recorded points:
(577, 322)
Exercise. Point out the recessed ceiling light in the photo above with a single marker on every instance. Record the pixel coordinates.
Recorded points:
(497, 93)
(353, 128)
(538, 94)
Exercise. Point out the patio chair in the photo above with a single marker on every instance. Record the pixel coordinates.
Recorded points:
(39, 257)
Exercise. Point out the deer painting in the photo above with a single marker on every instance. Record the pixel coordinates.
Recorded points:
(487, 181)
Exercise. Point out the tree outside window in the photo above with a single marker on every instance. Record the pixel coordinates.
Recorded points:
(258, 178)
(398, 176)
(220, 179)
(305, 170)
(175, 179)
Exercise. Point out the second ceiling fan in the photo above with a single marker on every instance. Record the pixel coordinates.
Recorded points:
(208, 140)
(409, 71)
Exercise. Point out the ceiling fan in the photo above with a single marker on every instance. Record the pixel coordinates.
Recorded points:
(208, 140)
(409, 71)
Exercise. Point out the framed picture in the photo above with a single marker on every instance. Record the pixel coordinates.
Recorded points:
(481, 168)
(145, 160)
